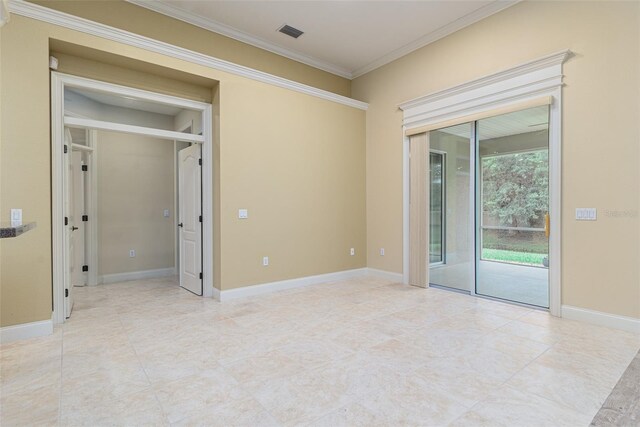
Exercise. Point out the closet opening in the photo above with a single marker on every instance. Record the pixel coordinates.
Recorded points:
(132, 192)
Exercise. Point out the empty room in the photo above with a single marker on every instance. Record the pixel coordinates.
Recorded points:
(323, 213)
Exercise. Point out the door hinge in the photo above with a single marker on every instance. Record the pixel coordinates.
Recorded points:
(200, 218)
(85, 168)
(66, 293)
(200, 162)
(85, 218)
(66, 220)
(200, 275)
(65, 149)
(85, 268)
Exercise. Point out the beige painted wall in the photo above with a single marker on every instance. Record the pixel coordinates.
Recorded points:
(135, 185)
(136, 19)
(295, 161)
(600, 134)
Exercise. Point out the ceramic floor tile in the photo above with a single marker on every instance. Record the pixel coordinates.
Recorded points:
(106, 383)
(465, 384)
(352, 415)
(256, 369)
(138, 409)
(236, 413)
(509, 407)
(577, 392)
(362, 351)
(18, 409)
(413, 401)
(196, 393)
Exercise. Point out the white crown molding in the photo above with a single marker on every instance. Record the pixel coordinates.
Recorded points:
(226, 30)
(624, 323)
(44, 14)
(452, 27)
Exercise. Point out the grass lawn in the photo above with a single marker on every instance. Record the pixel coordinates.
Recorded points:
(513, 256)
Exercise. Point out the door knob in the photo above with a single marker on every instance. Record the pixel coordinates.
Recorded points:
(180, 225)
(73, 228)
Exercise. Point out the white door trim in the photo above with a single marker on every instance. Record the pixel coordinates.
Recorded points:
(541, 77)
(74, 122)
(92, 210)
(58, 82)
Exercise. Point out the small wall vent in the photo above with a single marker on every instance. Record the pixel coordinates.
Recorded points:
(290, 31)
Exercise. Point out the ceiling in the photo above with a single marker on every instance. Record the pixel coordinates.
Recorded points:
(347, 38)
(516, 123)
(126, 102)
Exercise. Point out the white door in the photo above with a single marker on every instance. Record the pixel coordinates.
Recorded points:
(189, 221)
(78, 236)
(70, 226)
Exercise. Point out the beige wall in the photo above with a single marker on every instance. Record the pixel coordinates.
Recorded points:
(600, 134)
(135, 185)
(136, 19)
(295, 161)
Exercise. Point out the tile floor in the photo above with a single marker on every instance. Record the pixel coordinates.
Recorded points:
(361, 352)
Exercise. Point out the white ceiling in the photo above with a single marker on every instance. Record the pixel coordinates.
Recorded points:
(518, 122)
(127, 102)
(347, 38)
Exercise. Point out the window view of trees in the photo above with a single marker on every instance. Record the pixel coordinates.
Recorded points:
(515, 193)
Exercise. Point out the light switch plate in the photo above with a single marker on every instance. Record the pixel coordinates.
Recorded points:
(586, 214)
(16, 217)
(166, 213)
(243, 214)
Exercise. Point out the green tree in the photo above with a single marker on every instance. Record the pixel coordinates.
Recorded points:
(515, 188)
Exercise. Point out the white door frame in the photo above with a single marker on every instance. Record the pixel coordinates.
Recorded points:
(58, 122)
(520, 84)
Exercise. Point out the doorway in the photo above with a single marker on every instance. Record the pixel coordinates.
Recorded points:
(196, 179)
(489, 207)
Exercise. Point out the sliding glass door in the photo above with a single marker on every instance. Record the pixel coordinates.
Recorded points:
(450, 203)
(512, 246)
(489, 205)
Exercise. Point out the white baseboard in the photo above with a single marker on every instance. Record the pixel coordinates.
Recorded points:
(383, 274)
(629, 324)
(137, 275)
(266, 288)
(25, 331)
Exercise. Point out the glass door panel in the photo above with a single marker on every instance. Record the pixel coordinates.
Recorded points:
(451, 232)
(512, 246)
(436, 207)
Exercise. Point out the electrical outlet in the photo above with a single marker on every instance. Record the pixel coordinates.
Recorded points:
(132, 253)
(165, 213)
(353, 251)
(381, 251)
(243, 213)
(265, 261)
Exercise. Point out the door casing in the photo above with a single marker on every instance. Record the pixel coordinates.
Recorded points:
(541, 77)
(58, 121)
